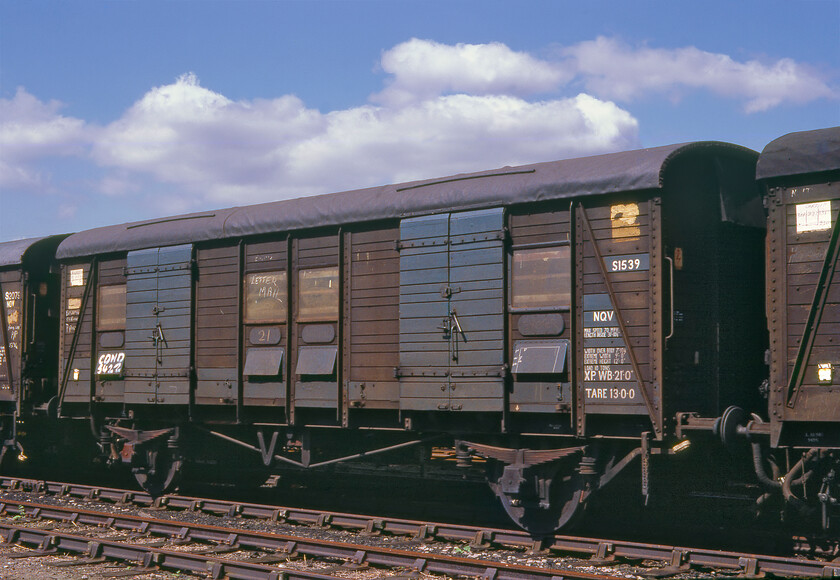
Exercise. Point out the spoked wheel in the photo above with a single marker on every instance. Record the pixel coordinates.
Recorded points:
(567, 503)
(154, 456)
(157, 470)
(542, 498)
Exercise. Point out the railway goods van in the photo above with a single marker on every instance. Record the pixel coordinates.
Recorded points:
(622, 323)
(29, 291)
(800, 177)
(548, 320)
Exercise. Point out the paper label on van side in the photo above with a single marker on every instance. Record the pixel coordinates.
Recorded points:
(813, 217)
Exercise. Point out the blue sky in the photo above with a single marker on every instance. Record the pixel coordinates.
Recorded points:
(125, 110)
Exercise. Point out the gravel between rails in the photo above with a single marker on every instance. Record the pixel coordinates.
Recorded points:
(44, 567)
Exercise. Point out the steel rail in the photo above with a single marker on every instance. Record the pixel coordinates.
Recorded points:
(675, 557)
(148, 559)
(228, 539)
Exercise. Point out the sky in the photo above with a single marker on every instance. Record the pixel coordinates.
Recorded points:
(118, 111)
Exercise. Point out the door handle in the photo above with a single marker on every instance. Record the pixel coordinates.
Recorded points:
(454, 316)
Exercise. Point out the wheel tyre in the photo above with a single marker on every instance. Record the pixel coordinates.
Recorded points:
(159, 472)
(567, 505)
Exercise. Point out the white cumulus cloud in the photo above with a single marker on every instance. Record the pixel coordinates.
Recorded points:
(444, 109)
(459, 133)
(186, 134)
(227, 151)
(31, 130)
(615, 70)
(422, 69)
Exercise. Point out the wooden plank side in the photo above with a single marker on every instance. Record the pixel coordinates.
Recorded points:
(217, 313)
(807, 253)
(386, 313)
(76, 366)
(615, 304)
(362, 284)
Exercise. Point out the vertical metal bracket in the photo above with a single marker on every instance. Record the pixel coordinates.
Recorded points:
(306, 448)
(645, 441)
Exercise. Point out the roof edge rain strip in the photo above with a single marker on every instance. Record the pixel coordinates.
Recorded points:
(168, 220)
(465, 178)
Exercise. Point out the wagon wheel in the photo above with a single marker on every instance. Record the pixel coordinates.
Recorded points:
(157, 470)
(567, 503)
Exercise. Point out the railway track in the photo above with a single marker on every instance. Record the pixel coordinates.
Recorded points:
(667, 560)
(258, 554)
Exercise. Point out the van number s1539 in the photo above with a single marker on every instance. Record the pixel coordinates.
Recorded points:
(624, 265)
(631, 263)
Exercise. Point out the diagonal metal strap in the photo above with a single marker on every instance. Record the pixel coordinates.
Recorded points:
(78, 332)
(611, 291)
(797, 376)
